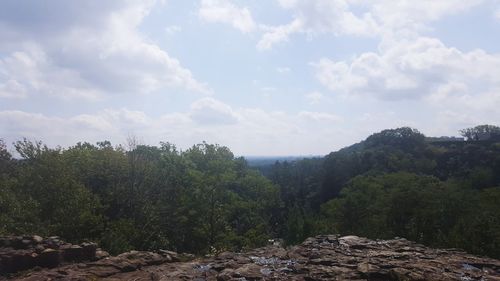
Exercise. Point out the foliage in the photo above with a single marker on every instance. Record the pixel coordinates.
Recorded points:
(419, 208)
(150, 197)
(481, 132)
(396, 183)
(206, 200)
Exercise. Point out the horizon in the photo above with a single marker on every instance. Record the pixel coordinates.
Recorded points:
(14, 153)
(281, 78)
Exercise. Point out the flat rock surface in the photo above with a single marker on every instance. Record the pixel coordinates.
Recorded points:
(319, 258)
(21, 253)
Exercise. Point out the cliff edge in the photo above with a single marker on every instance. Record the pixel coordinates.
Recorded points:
(327, 257)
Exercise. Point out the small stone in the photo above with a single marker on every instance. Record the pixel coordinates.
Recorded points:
(25, 244)
(249, 271)
(367, 268)
(186, 257)
(100, 254)
(37, 239)
(39, 249)
(226, 275)
(169, 255)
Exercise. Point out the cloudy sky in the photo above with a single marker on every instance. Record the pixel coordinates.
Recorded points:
(277, 77)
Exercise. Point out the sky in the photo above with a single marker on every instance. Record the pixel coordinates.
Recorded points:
(276, 77)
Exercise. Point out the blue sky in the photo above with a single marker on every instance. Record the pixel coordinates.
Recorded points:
(279, 77)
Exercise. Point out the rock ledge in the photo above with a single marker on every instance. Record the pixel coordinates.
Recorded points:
(327, 257)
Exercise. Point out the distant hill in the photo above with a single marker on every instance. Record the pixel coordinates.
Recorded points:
(259, 161)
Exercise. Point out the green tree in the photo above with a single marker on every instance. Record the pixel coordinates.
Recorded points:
(64, 206)
(480, 132)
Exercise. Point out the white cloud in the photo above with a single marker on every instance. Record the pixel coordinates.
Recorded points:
(368, 18)
(331, 16)
(409, 80)
(244, 130)
(497, 14)
(409, 17)
(224, 11)
(287, 4)
(383, 18)
(277, 34)
(249, 131)
(16, 124)
(86, 122)
(32, 71)
(87, 54)
(435, 88)
(12, 89)
(319, 116)
(209, 111)
(412, 70)
(315, 97)
(313, 17)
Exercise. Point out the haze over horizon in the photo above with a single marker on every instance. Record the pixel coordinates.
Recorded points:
(284, 77)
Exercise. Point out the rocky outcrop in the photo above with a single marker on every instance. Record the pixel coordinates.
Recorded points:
(320, 258)
(104, 269)
(18, 253)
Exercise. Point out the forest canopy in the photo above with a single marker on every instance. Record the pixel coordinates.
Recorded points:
(438, 191)
(149, 197)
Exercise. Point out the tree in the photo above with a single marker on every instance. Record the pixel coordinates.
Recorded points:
(5, 158)
(404, 137)
(30, 150)
(481, 132)
(4, 153)
(204, 199)
(18, 213)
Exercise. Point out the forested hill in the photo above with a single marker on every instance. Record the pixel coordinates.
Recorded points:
(440, 192)
(443, 192)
